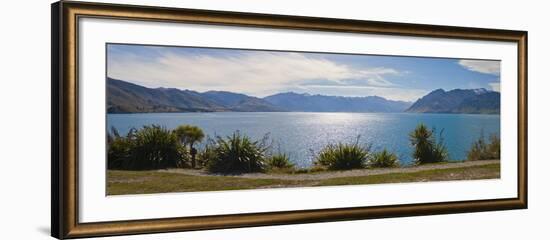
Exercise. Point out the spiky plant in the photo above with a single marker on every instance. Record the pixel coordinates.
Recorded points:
(154, 147)
(426, 148)
(279, 161)
(237, 154)
(342, 156)
(383, 159)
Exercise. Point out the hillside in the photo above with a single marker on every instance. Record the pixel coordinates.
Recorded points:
(473, 101)
(125, 97)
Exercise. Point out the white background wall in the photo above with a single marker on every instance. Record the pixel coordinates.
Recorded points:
(25, 119)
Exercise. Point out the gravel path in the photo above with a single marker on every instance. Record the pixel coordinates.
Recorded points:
(337, 174)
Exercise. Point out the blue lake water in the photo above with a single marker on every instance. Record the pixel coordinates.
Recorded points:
(299, 134)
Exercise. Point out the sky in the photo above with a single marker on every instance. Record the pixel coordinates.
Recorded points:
(262, 73)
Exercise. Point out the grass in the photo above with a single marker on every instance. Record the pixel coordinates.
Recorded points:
(140, 182)
(465, 173)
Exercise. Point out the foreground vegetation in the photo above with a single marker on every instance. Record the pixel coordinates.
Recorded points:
(139, 182)
(152, 147)
(236, 154)
(155, 147)
(383, 159)
(483, 150)
(428, 148)
(343, 156)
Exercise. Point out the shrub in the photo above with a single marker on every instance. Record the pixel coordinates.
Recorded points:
(383, 159)
(118, 149)
(237, 154)
(152, 147)
(279, 161)
(342, 156)
(481, 150)
(494, 146)
(118, 152)
(427, 149)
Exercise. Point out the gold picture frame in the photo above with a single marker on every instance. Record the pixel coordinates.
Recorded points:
(65, 114)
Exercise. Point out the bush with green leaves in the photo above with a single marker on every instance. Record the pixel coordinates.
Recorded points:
(427, 149)
(279, 161)
(383, 159)
(118, 149)
(237, 154)
(343, 156)
(151, 147)
(483, 150)
(154, 147)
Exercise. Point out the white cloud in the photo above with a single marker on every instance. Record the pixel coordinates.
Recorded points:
(495, 86)
(256, 73)
(482, 66)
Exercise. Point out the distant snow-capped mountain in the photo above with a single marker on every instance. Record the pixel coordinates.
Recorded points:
(458, 101)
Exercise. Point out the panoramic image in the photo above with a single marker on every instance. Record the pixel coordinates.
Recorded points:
(188, 119)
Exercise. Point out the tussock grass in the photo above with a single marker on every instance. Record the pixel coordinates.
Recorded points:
(383, 159)
(279, 162)
(343, 156)
(237, 154)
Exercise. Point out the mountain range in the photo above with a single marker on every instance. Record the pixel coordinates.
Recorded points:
(296, 102)
(473, 101)
(125, 97)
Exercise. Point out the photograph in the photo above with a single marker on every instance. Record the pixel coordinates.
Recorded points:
(192, 118)
(170, 119)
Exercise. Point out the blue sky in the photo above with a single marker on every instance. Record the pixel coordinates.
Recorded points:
(262, 73)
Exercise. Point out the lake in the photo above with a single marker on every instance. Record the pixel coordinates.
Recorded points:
(298, 134)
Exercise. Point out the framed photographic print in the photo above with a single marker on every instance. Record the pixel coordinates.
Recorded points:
(168, 119)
